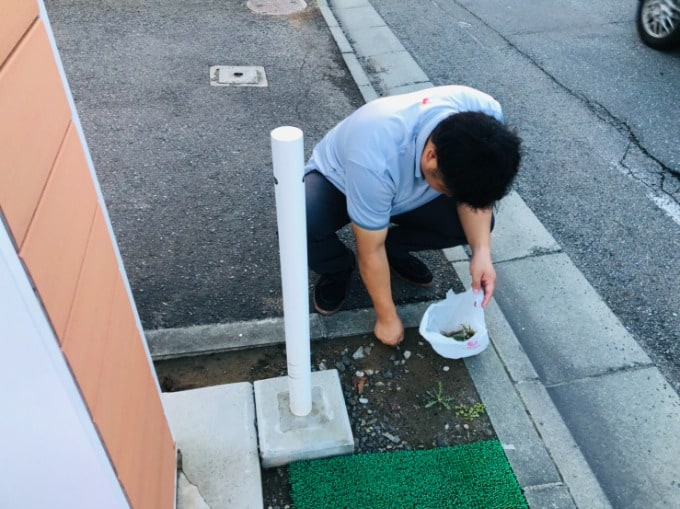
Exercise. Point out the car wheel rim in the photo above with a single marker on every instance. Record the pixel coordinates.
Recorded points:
(661, 17)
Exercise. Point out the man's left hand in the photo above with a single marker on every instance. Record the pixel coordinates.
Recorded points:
(483, 274)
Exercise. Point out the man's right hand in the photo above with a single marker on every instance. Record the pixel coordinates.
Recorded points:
(375, 271)
(390, 332)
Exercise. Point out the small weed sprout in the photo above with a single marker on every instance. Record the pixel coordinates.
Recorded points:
(470, 412)
(438, 398)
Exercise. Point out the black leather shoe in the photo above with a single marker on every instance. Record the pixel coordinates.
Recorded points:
(331, 290)
(411, 269)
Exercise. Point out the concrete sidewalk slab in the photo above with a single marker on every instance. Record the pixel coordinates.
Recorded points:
(360, 16)
(214, 428)
(577, 476)
(509, 243)
(566, 329)
(628, 426)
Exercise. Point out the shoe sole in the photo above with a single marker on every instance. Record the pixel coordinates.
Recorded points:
(326, 312)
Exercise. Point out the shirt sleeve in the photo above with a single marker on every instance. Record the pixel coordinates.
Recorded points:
(370, 192)
(479, 101)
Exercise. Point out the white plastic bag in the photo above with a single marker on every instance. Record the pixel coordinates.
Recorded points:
(450, 315)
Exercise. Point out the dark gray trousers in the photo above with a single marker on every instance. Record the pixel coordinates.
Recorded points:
(434, 225)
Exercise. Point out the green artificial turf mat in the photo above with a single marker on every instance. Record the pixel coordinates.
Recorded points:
(471, 476)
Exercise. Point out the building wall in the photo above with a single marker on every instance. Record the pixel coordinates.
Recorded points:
(52, 205)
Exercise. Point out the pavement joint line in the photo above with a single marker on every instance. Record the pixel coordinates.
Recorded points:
(538, 487)
(508, 369)
(597, 376)
(530, 256)
(322, 326)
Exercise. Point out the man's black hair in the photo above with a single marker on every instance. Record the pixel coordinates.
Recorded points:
(477, 157)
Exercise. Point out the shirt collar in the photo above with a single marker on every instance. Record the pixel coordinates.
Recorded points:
(431, 116)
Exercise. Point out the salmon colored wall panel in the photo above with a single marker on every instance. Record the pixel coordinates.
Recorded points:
(168, 480)
(129, 457)
(55, 244)
(152, 464)
(121, 387)
(142, 472)
(34, 116)
(87, 328)
(128, 411)
(17, 16)
(158, 462)
(51, 205)
(160, 470)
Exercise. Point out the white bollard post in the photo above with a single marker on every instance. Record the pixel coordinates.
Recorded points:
(288, 161)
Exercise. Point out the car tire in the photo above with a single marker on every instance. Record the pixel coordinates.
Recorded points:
(658, 23)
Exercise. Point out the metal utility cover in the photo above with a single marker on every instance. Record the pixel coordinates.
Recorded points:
(237, 76)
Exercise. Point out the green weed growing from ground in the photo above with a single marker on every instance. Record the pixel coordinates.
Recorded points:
(438, 398)
(470, 412)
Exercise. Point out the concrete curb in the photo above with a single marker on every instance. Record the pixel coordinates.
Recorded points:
(167, 344)
(372, 45)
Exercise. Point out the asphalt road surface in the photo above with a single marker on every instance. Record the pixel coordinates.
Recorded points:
(185, 167)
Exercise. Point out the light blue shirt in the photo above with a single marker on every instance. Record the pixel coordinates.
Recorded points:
(373, 156)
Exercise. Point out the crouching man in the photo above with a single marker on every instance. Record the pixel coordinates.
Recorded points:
(411, 172)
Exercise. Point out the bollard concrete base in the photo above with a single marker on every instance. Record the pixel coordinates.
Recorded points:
(284, 437)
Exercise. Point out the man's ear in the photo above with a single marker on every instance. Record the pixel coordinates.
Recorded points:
(430, 151)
